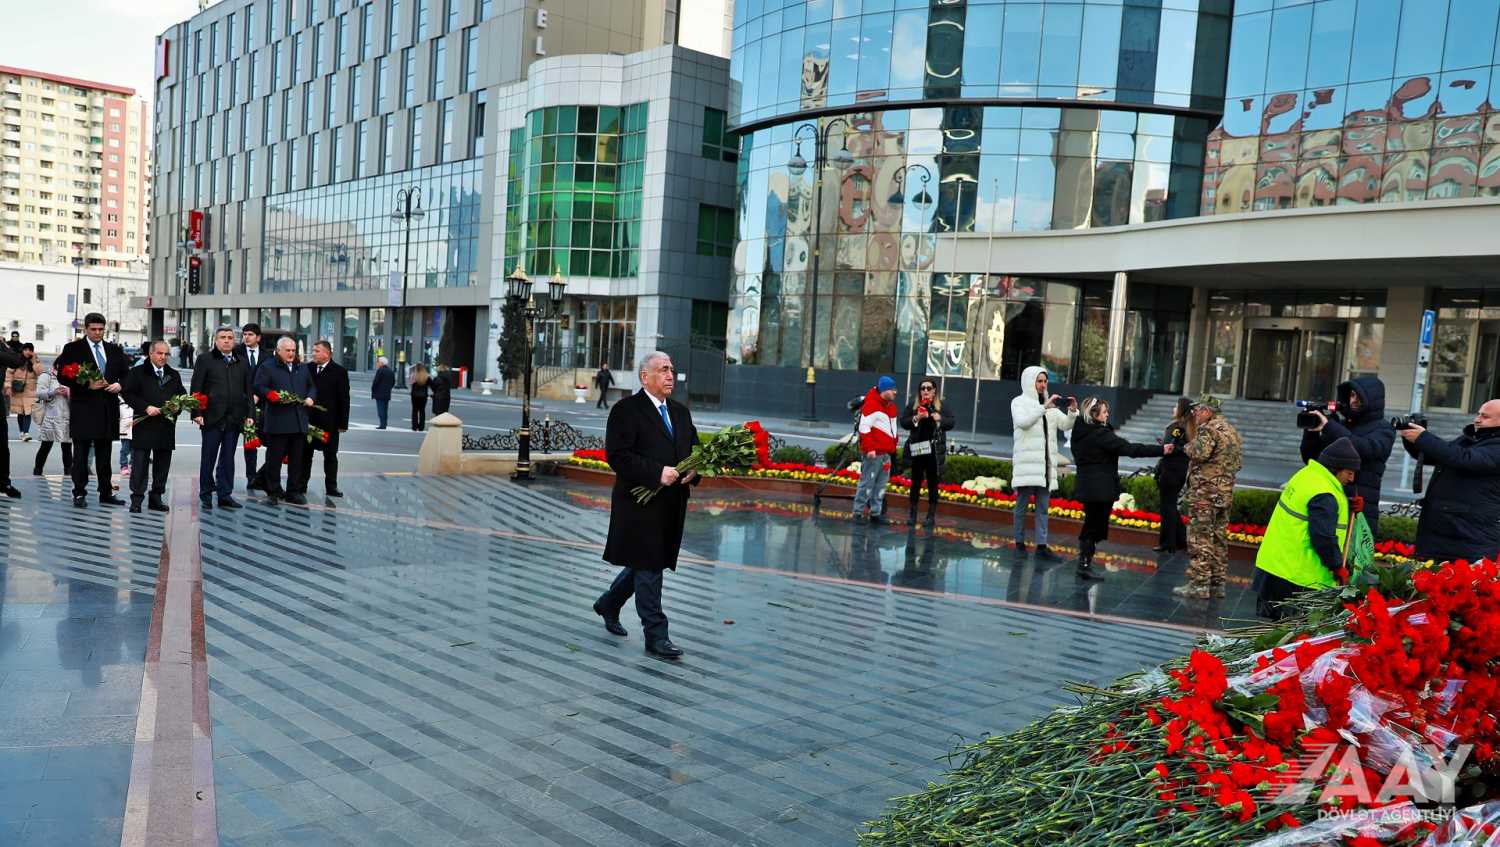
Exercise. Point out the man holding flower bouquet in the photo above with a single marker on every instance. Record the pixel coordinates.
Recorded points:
(224, 378)
(153, 389)
(286, 388)
(646, 437)
(93, 370)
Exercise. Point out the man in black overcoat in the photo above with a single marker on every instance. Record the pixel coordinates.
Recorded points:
(284, 427)
(253, 350)
(148, 387)
(8, 359)
(332, 383)
(224, 377)
(94, 408)
(647, 435)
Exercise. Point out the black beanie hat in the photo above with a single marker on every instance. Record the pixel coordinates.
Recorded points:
(1340, 455)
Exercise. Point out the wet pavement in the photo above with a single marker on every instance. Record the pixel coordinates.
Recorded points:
(76, 590)
(417, 664)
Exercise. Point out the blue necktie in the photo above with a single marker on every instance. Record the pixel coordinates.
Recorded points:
(666, 419)
(99, 356)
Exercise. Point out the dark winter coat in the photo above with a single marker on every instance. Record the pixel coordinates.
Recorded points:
(333, 394)
(283, 419)
(1173, 467)
(926, 430)
(1461, 510)
(384, 381)
(442, 392)
(1096, 452)
(1369, 432)
(142, 389)
(637, 446)
(228, 390)
(94, 415)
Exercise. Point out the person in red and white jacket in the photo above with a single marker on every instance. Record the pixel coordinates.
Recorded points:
(877, 444)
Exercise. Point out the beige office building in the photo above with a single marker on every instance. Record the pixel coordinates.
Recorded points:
(75, 170)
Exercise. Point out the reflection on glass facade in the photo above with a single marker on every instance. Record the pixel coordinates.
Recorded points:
(573, 191)
(794, 55)
(341, 237)
(1357, 101)
(988, 158)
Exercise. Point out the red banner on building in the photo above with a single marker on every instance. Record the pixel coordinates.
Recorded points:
(195, 228)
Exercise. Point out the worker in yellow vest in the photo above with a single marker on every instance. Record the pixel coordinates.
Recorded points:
(1309, 531)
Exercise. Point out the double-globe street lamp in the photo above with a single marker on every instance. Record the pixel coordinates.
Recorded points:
(408, 209)
(518, 293)
(840, 159)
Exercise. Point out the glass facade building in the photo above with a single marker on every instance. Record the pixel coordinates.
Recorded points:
(871, 131)
(1343, 102)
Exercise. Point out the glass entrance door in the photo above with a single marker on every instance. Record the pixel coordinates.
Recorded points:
(1322, 365)
(1486, 365)
(1271, 360)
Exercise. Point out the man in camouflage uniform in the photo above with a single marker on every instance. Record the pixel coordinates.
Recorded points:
(1213, 461)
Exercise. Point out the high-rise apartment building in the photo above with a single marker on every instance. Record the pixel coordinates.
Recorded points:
(75, 170)
(296, 129)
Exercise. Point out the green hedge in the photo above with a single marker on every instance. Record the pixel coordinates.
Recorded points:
(831, 456)
(1400, 528)
(960, 469)
(1253, 506)
(1143, 489)
(794, 453)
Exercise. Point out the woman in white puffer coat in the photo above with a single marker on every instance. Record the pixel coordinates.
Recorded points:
(1034, 459)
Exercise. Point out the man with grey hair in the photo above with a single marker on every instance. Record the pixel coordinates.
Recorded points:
(646, 437)
(147, 389)
(380, 388)
(285, 425)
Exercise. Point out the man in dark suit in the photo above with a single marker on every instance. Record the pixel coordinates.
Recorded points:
(380, 389)
(94, 408)
(332, 384)
(8, 359)
(255, 353)
(148, 387)
(647, 435)
(225, 378)
(284, 426)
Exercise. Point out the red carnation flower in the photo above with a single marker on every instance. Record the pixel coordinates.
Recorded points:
(273, 396)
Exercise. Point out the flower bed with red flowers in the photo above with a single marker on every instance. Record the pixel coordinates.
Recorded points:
(1366, 719)
(1393, 552)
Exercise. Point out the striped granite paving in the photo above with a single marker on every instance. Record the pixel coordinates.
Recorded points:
(417, 664)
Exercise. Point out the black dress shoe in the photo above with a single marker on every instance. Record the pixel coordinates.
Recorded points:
(80, 502)
(1087, 572)
(1045, 553)
(334, 492)
(135, 507)
(1020, 547)
(254, 485)
(229, 503)
(111, 500)
(296, 499)
(664, 649)
(158, 506)
(611, 624)
(272, 498)
(206, 504)
(11, 491)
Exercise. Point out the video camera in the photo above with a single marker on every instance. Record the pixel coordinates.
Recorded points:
(856, 403)
(1305, 417)
(1408, 421)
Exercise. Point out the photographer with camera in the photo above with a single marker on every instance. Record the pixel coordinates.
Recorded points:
(1360, 417)
(877, 445)
(1036, 417)
(1461, 511)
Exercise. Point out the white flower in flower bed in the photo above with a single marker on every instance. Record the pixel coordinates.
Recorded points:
(981, 484)
(1126, 501)
(853, 466)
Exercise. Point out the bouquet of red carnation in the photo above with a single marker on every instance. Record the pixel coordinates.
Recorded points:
(317, 435)
(287, 398)
(179, 403)
(81, 373)
(252, 441)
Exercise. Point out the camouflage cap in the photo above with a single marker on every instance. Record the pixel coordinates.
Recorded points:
(1212, 403)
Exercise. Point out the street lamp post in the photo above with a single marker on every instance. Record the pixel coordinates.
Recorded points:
(841, 159)
(518, 292)
(921, 200)
(77, 290)
(408, 208)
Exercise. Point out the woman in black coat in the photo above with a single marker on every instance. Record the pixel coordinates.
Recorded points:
(1171, 476)
(1096, 452)
(442, 390)
(418, 398)
(927, 446)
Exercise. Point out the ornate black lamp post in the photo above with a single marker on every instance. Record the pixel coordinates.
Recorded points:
(840, 159)
(519, 293)
(408, 209)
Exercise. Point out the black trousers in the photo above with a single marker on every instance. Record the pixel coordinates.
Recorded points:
(158, 462)
(1272, 590)
(1095, 526)
(418, 415)
(45, 448)
(330, 453)
(1173, 534)
(924, 467)
(103, 449)
(216, 461)
(291, 447)
(646, 586)
(4, 451)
